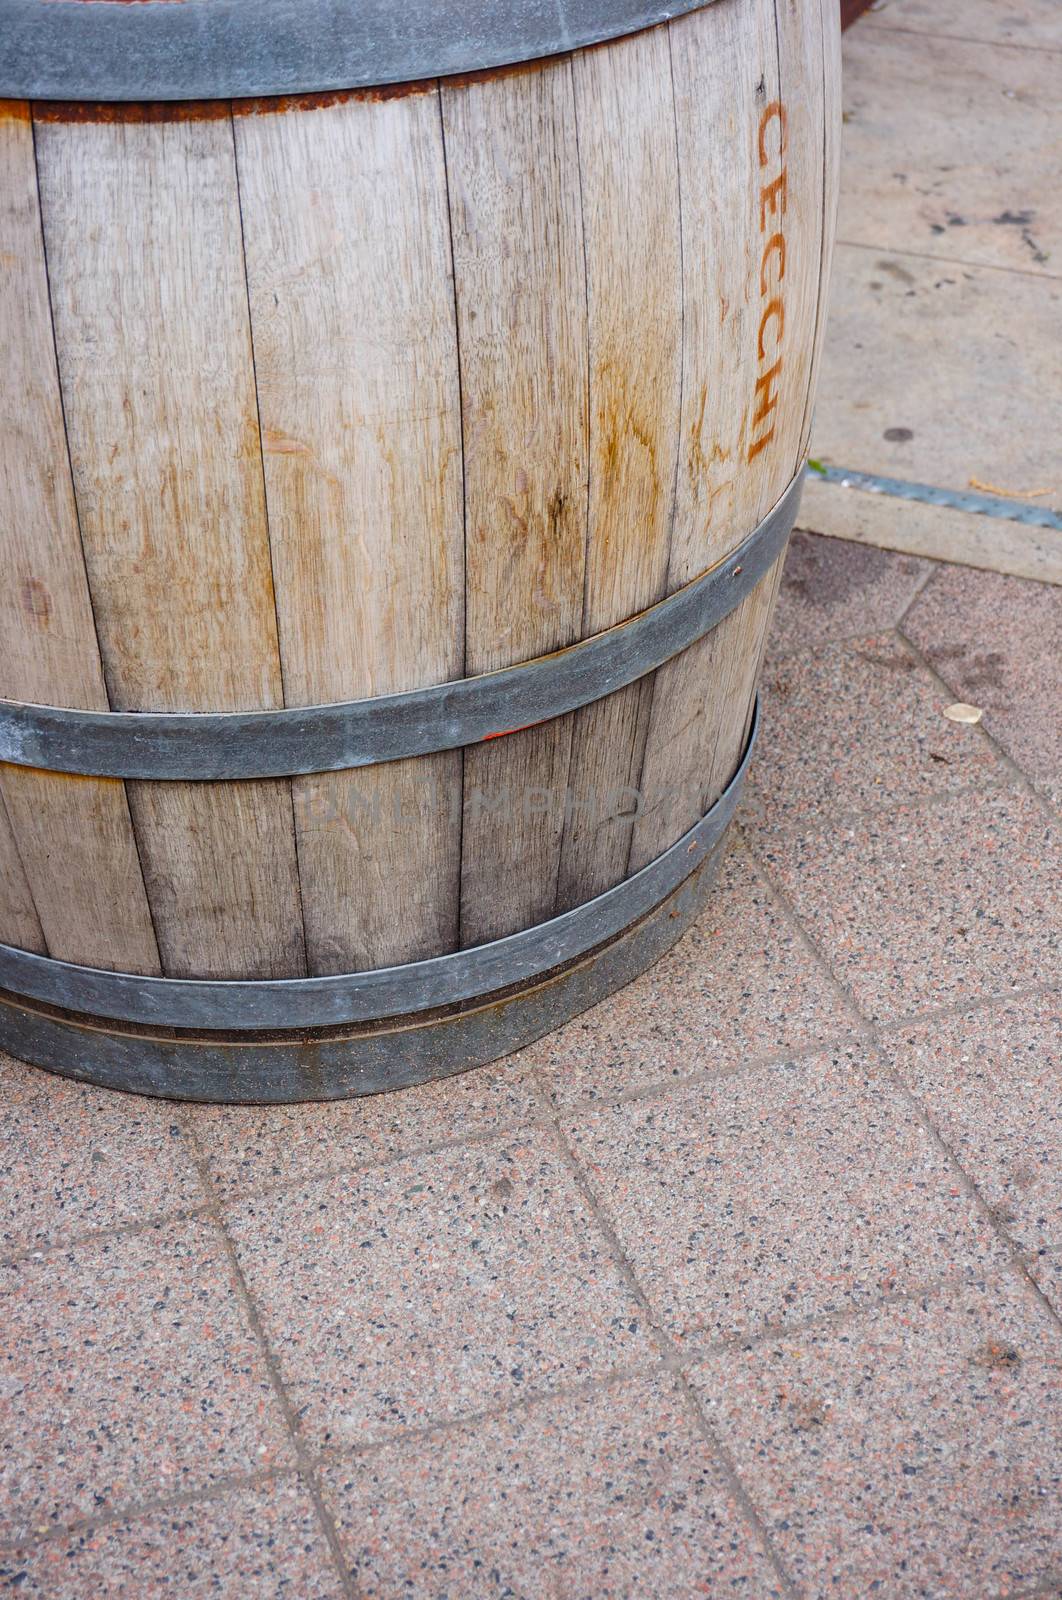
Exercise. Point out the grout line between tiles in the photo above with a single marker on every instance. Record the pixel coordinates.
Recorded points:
(331, 1455)
(962, 1008)
(1002, 755)
(301, 1180)
(712, 1438)
(829, 822)
(879, 24)
(303, 1457)
(787, 912)
(949, 261)
(857, 1034)
(121, 1230)
(131, 1511)
(658, 1088)
(877, 1046)
(1047, 1588)
(969, 1185)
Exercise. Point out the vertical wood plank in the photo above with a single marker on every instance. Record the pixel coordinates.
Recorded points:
(802, 91)
(742, 407)
(521, 303)
(789, 280)
(141, 224)
(830, 40)
(75, 835)
(632, 226)
(19, 923)
(348, 255)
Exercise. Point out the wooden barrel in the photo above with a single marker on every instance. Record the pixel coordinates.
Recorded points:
(400, 438)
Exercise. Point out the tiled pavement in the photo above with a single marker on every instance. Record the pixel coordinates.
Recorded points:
(748, 1282)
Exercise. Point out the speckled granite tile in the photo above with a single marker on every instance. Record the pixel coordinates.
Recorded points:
(1046, 1269)
(835, 589)
(74, 1159)
(249, 1544)
(998, 642)
(852, 728)
(740, 984)
(435, 1287)
(928, 907)
(608, 1495)
(991, 1082)
(128, 1372)
(915, 1451)
(249, 1145)
(778, 1194)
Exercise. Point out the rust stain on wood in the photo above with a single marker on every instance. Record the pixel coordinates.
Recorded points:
(113, 113)
(280, 104)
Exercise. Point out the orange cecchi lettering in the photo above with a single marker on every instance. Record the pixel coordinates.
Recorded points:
(771, 143)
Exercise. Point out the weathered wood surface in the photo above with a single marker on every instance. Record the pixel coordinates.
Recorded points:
(521, 301)
(141, 226)
(364, 393)
(629, 184)
(348, 263)
(830, 70)
(743, 409)
(18, 915)
(75, 837)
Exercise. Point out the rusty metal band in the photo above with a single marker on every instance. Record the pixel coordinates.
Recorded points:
(359, 997)
(284, 1071)
(200, 746)
(228, 49)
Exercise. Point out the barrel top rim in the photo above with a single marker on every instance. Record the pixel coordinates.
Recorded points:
(101, 51)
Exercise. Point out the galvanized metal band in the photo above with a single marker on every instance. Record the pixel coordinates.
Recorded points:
(192, 747)
(285, 1071)
(356, 997)
(228, 49)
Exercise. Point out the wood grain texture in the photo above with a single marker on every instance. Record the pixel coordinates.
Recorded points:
(737, 398)
(521, 301)
(348, 256)
(75, 835)
(19, 923)
(629, 181)
(141, 224)
(830, 72)
(800, 89)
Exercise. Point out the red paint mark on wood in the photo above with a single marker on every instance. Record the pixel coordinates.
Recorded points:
(505, 732)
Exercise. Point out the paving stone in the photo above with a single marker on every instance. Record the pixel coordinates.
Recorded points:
(247, 1146)
(927, 907)
(778, 1194)
(607, 1495)
(906, 336)
(128, 1372)
(74, 1159)
(249, 1544)
(853, 728)
(435, 1287)
(1046, 1269)
(991, 1082)
(1034, 24)
(832, 589)
(961, 162)
(914, 1451)
(740, 984)
(1013, 671)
